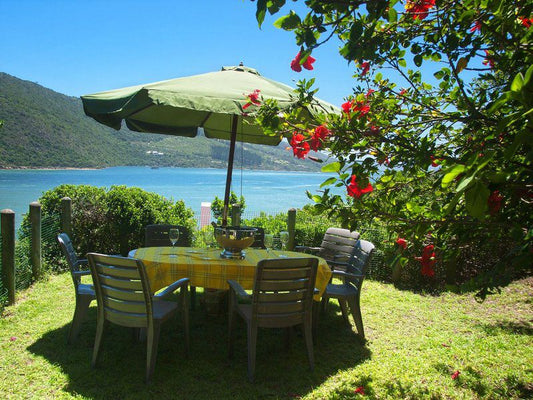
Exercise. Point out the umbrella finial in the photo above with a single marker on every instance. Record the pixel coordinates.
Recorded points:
(241, 64)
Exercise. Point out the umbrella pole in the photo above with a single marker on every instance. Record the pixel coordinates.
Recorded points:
(230, 169)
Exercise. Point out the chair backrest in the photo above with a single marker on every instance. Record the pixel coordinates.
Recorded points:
(122, 290)
(359, 261)
(157, 235)
(70, 254)
(338, 242)
(283, 291)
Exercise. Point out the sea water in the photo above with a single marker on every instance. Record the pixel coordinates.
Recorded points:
(268, 191)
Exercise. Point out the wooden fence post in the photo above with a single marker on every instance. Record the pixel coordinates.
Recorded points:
(291, 227)
(8, 253)
(35, 219)
(66, 215)
(236, 214)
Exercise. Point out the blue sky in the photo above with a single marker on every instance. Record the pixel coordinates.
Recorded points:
(78, 47)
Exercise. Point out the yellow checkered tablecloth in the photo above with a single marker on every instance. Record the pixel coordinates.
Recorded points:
(205, 268)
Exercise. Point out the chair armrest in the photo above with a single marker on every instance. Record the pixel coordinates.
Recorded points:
(81, 273)
(182, 283)
(307, 249)
(343, 257)
(238, 290)
(343, 274)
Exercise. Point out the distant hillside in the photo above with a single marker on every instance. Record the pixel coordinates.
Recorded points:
(43, 128)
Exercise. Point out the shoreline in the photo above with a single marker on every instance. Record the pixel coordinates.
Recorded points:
(26, 168)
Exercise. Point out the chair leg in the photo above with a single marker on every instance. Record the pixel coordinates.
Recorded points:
(193, 297)
(100, 322)
(308, 333)
(344, 309)
(231, 321)
(185, 309)
(356, 313)
(80, 312)
(152, 342)
(252, 345)
(324, 303)
(316, 313)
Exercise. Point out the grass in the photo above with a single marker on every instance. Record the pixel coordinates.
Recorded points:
(415, 343)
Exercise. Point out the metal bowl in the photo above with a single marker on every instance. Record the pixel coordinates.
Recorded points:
(234, 240)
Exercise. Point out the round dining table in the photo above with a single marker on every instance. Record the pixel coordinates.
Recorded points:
(205, 268)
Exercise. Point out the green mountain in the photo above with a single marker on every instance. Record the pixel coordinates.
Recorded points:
(46, 129)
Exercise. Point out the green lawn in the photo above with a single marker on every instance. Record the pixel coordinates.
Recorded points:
(415, 344)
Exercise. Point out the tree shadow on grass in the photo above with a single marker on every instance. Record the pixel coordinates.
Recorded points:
(207, 373)
(510, 327)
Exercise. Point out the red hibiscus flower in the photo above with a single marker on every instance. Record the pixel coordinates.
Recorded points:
(428, 261)
(363, 108)
(318, 137)
(402, 92)
(369, 93)
(354, 189)
(360, 390)
(427, 271)
(347, 107)
(308, 64)
(495, 202)
(435, 161)
(456, 374)
(476, 27)
(253, 99)
(365, 67)
(419, 8)
(401, 242)
(300, 147)
(374, 130)
(488, 59)
(527, 22)
(322, 132)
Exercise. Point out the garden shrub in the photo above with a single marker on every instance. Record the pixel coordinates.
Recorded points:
(111, 220)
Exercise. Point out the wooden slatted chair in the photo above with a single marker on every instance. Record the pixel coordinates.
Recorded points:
(337, 245)
(84, 292)
(282, 297)
(124, 298)
(351, 273)
(156, 235)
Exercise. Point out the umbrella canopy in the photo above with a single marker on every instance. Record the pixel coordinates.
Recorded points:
(212, 101)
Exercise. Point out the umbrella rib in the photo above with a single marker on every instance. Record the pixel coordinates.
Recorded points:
(205, 119)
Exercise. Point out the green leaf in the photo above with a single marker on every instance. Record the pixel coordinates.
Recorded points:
(386, 178)
(288, 22)
(329, 181)
(465, 183)
(476, 200)
(402, 63)
(261, 12)
(393, 15)
(461, 64)
(450, 176)
(518, 83)
(417, 60)
(333, 167)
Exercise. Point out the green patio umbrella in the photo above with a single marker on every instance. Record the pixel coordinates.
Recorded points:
(213, 101)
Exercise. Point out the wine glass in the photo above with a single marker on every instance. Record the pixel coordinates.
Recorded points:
(284, 239)
(269, 241)
(173, 235)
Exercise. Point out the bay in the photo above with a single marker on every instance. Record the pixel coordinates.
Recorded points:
(268, 191)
